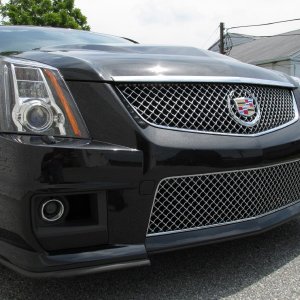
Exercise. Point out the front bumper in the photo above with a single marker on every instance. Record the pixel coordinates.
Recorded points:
(126, 192)
(118, 183)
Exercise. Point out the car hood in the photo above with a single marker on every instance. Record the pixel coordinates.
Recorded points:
(110, 62)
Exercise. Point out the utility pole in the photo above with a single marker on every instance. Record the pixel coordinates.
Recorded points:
(221, 46)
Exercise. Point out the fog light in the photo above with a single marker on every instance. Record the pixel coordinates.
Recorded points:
(52, 210)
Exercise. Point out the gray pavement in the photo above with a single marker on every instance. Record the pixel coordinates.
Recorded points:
(261, 267)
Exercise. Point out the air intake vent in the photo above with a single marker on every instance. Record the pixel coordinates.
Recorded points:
(200, 201)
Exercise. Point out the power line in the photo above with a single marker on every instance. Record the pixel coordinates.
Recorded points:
(268, 36)
(228, 44)
(263, 24)
(261, 36)
(214, 32)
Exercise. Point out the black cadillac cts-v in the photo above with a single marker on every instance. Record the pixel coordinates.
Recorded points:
(111, 151)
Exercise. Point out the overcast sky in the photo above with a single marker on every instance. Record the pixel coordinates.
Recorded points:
(187, 22)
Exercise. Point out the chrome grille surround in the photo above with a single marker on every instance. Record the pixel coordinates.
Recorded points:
(186, 203)
(203, 107)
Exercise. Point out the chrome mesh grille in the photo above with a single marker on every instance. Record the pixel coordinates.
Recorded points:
(204, 106)
(190, 202)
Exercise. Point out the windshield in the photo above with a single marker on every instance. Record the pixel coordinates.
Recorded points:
(27, 38)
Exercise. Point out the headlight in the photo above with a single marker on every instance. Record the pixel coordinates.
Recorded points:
(35, 100)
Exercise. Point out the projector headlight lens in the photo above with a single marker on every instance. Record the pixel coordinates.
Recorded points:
(38, 116)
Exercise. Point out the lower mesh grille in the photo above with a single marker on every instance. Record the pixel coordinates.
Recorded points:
(199, 201)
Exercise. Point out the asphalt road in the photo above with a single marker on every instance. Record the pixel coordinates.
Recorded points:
(261, 267)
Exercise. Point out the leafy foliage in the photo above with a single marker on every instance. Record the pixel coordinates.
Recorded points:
(55, 13)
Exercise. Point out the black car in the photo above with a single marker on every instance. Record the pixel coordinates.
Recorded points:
(111, 151)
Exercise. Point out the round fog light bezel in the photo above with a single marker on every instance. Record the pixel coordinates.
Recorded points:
(56, 216)
(29, 106)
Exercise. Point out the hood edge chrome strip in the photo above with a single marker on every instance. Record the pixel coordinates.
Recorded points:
(200, 79)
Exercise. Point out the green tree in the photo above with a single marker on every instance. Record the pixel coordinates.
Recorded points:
(55, 13)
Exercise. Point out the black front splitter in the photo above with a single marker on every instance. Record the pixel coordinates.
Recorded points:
(57, 265)
(76, 271)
